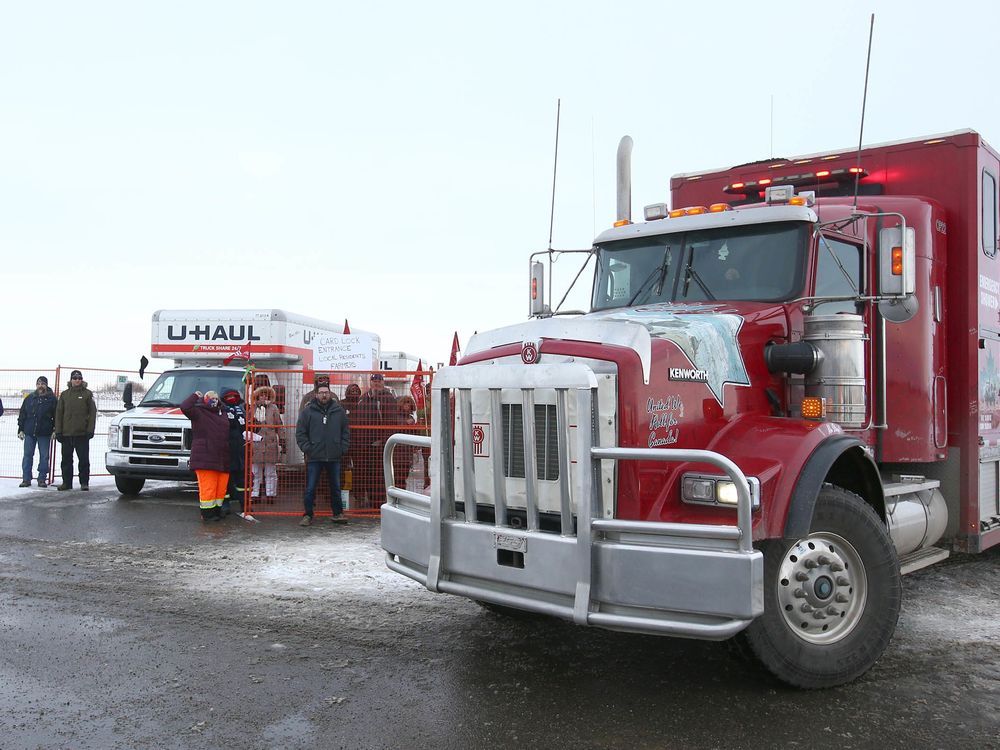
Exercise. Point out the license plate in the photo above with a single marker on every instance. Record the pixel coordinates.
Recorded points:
(511, 542)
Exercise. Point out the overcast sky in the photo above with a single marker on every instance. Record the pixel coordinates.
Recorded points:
(392, 163)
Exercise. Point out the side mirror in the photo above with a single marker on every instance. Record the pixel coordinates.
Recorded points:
(127, 397)
(536, 299)
(897, 258)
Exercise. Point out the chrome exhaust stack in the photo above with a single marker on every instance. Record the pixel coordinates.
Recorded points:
(625, 179)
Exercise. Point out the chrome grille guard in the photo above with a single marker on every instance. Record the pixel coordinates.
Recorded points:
(691, 580)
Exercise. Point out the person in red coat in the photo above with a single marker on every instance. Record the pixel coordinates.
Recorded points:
(209, 450)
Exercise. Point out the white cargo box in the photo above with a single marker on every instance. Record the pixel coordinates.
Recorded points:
(277, 337)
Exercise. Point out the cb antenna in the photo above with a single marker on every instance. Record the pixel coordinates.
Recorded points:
(555, 163)
(552, 210)
(864, 101)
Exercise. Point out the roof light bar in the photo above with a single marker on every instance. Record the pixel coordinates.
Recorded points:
(820, 177)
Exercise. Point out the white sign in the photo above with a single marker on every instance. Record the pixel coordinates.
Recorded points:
(122, 382)
(345, 351)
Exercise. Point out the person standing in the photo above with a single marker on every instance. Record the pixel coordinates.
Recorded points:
(35, 423)
(232, 404)
(209, 450)
(323, 435)
(266, 451)
(376, 410)
(76, 420)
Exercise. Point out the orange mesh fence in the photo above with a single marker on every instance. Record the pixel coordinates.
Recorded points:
(276, 468)
(108, 387)
(15, 386)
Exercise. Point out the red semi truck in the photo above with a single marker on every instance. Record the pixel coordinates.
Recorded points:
(785, 396)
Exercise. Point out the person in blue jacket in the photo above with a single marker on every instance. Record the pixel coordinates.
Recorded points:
(35, 422)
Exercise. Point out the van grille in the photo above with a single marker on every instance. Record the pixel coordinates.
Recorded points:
(546, 442)
(159, 438)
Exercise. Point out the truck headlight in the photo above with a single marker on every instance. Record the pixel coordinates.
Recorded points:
(707, 489)
(113, 436)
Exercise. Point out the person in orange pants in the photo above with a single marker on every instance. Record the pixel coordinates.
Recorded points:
(209, 450)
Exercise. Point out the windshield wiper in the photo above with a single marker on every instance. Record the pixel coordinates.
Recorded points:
(689, 274)
(660, 273)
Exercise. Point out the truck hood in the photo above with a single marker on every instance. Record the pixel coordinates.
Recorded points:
(708, 335)
(154, 412)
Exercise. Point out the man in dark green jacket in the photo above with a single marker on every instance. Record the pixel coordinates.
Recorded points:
(76, 419)
(323, 434)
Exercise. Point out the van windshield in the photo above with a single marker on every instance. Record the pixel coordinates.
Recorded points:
(171, 388)
(760, 262)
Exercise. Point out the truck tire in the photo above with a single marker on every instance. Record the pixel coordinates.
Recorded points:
(129, 486)
(831, 598)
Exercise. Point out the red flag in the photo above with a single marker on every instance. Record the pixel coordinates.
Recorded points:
(347, 328)
(242, 352)
(417, 386)
(455, 349)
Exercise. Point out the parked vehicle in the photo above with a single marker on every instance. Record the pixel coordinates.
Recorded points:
(152, 440)
(782, 399)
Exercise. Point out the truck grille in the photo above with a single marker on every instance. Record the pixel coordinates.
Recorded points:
(159, 438)
(546, 441)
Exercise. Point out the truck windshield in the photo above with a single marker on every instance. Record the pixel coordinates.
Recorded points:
(760, 262)
(171, 388)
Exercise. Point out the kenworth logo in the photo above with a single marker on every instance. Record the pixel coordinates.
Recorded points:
(688, 376)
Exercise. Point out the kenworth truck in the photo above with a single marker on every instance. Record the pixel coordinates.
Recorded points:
(152, 440)
(785, 396)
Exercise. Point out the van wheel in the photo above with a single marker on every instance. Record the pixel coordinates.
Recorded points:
(129, 486)
(831, 598)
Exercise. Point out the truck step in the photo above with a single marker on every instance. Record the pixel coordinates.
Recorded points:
(921, 559)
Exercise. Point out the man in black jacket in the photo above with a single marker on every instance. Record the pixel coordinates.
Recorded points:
(35, 421)
(324, 436)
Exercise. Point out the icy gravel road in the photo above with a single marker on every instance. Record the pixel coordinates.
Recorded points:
(129, 624)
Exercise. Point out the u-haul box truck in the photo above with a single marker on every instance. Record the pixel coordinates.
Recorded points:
(152, 440)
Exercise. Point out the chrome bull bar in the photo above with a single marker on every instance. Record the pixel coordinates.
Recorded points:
(689, 580)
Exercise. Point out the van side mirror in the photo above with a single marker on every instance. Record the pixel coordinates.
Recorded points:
(536, 299)
(127, 397)
(897, 260)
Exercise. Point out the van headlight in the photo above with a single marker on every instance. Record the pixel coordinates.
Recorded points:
(113, 436)
(709, 489)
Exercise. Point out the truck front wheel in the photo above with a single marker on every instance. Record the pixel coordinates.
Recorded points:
(831, 598)
(129, 486)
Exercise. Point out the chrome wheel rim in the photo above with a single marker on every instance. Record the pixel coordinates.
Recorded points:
(822, 588)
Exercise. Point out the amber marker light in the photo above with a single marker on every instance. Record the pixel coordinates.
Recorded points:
(675, 213)
(695, 210)
(719, 207)
(823, 173)
(622, 222)
(798, 200)
(897, 261)
(813, 407)
(766, 181)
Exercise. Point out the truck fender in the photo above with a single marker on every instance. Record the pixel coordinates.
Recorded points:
(840, 460)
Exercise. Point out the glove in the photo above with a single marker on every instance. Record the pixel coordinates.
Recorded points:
(58, 437)
(90, 436)
(20, 435)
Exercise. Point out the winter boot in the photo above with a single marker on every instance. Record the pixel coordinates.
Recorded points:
(64, 486)
(42, 483)
(25, 483)
(85, 487)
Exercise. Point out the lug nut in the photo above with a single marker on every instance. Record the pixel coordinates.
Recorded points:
(836, 567)
(842, 598)
(810, 564)
(831, 610)
(843, 581)
(806, 607)
(824, 559)
(800, 576)
(819, 615)
(799, 594)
